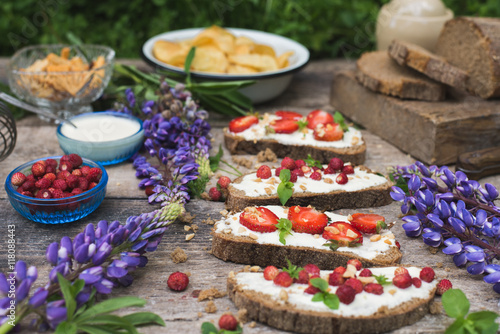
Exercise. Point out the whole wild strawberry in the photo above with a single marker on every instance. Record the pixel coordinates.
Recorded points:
(346, 294)
(355, 284)
(299, 163)
(293, 176)
(228, 322)
(402, 281)
(83, 183)
(315, 176)
(348, 169)
(62, 175)
(75, 160)
(283, 279)
(298, 171)
(443, 286)
(312, 290)
(341, 178)
(336, 279)
(43, 183)
(50, 176)
(94, 174)
(288, 163)
(264, 172)
(44, 194)
(341, 270)
(72, 181)
(50, 169)
(60, 184)
(38, 169)
(85, 170)
(18, 179)
(365, 273)
(66, 165)
(374, 288)
(417, 282)
(427, 274)
(215, 194)
(400, 270)
(178, 281)
(336, 164)
(278, 171)
(303, 277)
(77, 172)
(270, 273)
(224, 182)
(312, 269)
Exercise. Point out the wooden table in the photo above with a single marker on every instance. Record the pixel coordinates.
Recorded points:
(181, 311)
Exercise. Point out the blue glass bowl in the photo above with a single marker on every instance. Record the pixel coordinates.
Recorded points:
(105, 152)
(56, 210)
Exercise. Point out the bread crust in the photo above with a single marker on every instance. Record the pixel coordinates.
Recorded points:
(242, 249)
(238, 145)
(287, 317)
(370, 197)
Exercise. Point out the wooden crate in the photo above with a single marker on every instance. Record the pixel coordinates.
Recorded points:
(433, 132)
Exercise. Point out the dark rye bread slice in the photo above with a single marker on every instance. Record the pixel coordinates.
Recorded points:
(473, 44)
(370, 197)
(378, 72)
(238, 145)
(243, 249)
(287, 317)
(425, 62)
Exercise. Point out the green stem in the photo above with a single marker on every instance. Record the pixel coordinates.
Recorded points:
(232, 167)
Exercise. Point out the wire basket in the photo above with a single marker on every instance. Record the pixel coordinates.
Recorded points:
(8, 132)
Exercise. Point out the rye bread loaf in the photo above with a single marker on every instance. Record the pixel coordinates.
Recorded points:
(473, 44)
(373, 196)
(425, 62)
(378, 72)
(288, 317)
(238, 145)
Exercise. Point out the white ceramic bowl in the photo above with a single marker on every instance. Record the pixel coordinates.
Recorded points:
(269, 84)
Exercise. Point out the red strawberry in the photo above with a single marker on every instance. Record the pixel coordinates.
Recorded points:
(224, 182)
(341, 178)
(50, 176)
(288, 163)
(307, 220)
(427, 274)
(303, 277)
(312, 290)
(293, 176)
(298, 172)
(85, 170)
(346, 294)
(336, 279)
(259, 219)
(341, 270)
(299, 163)
(270, 273)
(178, 281)
(315, 176)
(356, 263)
(43, 183)
(27, 193)
(94, 174)
(215, 194)
(368, 222)
(316, 117)
(77, 172)
(38, 169)
(51, 162)
(72, 181)
(344, 233)
(60, 184)
(56, 193)
(284, 126)
(443, 286)
(62, 175)
(83, 183)
(312, 269)
(18, 179)
(328, 132)
(328, 170)
(284, 114)
(228, 322)
(44, 194)
(75, 160)
(374, 288)
(277, 171)
(76, 191)
(417, 282)
(400, 271)
(66, 165)
(336, 164)
(50, 169)
(283, 279)
(240, 124)
(355, 284)
(365, 273)
(305, 169)
(348, 169)
(31, 177)
(92, 185)
(402, 281)
(264, 172)
(28, 185)
(398, 245)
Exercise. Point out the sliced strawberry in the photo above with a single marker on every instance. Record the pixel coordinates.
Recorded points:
(284, 114)
(328, 132)
(307, 220)
(242, 123)
(284, 126)
(259, 219)
(343, 233)
(316, 117)
(368, 222)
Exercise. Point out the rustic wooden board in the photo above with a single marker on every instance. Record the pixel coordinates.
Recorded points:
(434, 132)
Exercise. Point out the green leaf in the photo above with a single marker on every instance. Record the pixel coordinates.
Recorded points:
(285, 188)
(332, 301)
(455, 303)
(285, 175)
(98, 329)
(144, 319)
(339, 119)
(218, 87)
(187, 64)
(380, 225)
(110, 305)
(219, 105)
(111, 320)
(319, 283)
(312, 163)
(69, 298)
(457, 327)
(493, 329)
(208, 328)
(238, 330)
(292, 269)
(484, 320)
(302, 123)
(66, 327)
(318, 297)
(284, 227)
(215, 160)
(382, 280)
(239, 99)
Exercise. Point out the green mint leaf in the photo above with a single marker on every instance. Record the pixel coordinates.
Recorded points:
(238, 330)
(66, 327)
(382, 280)
(484, 321)
(380, 225)
(302, 123)
(332, 244)
(312, 163)
(332, 301)
(208, 328)
(69, 298)
(455, 303)
(285, 175)
(284, 227)
(139, 319)
(292, 269)
(318, 297)
(269, 130)
(339, 119)
(319, 283)
(457, 327)
(285, 188)
(215, 160)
